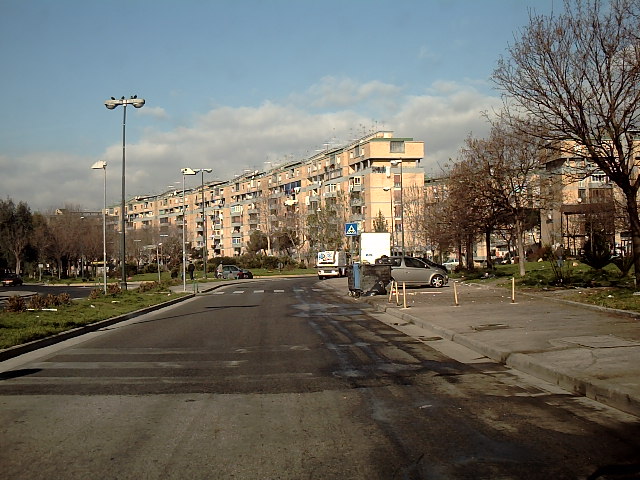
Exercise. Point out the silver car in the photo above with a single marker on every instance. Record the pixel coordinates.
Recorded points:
(413, 271)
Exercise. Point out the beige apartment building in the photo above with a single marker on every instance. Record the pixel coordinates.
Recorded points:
(577, 200)
(360, 181)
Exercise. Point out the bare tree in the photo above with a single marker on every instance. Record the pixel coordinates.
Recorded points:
(577, 74)
(505, 180)
(463, 212)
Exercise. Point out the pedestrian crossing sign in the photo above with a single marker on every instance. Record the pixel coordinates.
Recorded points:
(351, 229)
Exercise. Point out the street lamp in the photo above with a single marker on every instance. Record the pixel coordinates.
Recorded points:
(391, 216)
(185, 171)
(97, 166)
(204, 221)
(111, 104)
(395, 163)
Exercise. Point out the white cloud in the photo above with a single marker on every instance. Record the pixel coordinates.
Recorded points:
(155, 112)
(230, 140)
(334, 93)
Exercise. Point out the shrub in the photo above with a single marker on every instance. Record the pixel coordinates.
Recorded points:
(15, 303)
(64, 299)
(113, 289)
(624, 263)
(96, 293)
(151, 268)
(597, 251)
(148, 287)
(36, 302)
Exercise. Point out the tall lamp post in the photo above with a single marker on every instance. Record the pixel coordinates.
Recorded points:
(111, 104)
(97, 166)
(202, 171)
(395, 163)
(185, 171)
(391, 216)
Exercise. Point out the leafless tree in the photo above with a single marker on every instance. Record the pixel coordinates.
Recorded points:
(577, 74)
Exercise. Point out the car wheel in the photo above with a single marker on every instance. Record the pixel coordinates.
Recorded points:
(437, 281)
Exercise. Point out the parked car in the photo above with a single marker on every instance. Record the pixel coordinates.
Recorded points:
(414, 271)
(451, 265)
(11, 279)
(230, 272)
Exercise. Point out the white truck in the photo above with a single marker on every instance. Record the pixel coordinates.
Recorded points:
(374, 245)
(331, 263)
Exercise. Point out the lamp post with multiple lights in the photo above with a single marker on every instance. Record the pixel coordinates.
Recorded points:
(97, 166)
(185, 171)
(202, 171)
(111, 104)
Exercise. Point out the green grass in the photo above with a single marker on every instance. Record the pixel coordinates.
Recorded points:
(606, 288)
(166, 276)
(19, 328)
(23, 327)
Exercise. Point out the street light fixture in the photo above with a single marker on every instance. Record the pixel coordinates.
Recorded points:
(202, 171)
(97, 166)
(185, 171)
(395, 163)
(111, 104)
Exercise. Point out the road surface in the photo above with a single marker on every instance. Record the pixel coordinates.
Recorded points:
(281, 379)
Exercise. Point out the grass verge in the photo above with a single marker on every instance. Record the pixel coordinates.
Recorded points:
(23, 327)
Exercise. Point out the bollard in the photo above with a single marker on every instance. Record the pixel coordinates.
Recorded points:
(513, 290)
(404, 296)
(455, 294)
(394, 289)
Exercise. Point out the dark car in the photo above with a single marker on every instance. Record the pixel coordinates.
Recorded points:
(232, 272)
(414, 271)
(11, 279)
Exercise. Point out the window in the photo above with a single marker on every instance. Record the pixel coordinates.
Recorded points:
(397, 146)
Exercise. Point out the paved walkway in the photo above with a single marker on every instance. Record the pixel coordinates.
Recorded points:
(587, 350)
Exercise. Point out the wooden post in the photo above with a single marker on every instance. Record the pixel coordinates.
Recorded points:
(513, 289)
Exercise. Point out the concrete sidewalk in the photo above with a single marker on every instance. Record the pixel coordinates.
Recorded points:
(586, 350)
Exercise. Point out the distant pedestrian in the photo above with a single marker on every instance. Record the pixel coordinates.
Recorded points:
(191, 269)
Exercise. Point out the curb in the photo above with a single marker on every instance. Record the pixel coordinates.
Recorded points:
(18, 350)
(525, 363)
(12, 352)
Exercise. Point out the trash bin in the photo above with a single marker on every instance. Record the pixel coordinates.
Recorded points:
(365, 279)
(353, 274)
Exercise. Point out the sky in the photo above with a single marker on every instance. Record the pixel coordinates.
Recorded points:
(234, 85)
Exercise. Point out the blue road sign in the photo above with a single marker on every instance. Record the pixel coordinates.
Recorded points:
(351, 229)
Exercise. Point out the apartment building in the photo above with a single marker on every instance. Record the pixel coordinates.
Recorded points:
(358, 181)
(578, 199)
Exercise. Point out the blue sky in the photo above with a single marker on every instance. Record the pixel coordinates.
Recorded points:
(234, 84)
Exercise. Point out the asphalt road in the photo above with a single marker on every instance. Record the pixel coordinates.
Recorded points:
(33, 288)
(281, 379)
